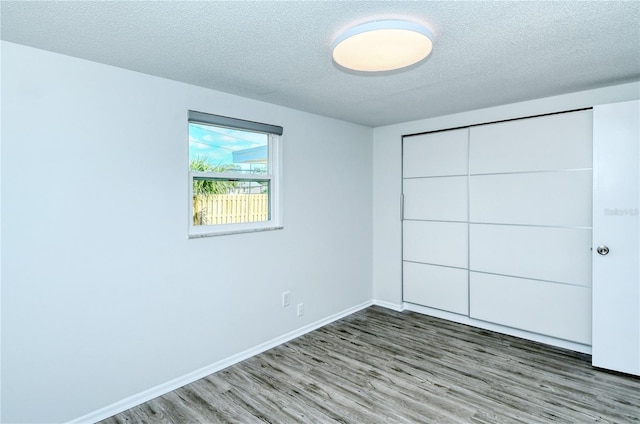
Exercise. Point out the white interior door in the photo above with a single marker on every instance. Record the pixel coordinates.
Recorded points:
(616, 237)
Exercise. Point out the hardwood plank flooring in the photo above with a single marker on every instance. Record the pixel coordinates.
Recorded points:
(381, 366)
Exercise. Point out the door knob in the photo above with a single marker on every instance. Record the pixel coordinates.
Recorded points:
(603, 250)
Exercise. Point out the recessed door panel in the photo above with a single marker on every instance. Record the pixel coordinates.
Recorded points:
(437, 243)
(436, 287)
(545, 198)
(436, 154)
(557, 310)
(443, 199)
(553, 254)
(545, 143)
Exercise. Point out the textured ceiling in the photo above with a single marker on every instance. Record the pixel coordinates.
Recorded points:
(485, 53)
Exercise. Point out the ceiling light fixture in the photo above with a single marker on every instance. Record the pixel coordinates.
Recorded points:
(382, 46)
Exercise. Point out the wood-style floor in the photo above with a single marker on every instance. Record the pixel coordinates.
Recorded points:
(380, 366)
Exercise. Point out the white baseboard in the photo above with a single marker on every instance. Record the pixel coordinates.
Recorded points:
(393, 306)
(463, 319)
(169, 386)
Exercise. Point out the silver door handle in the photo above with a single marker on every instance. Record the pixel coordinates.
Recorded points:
(603, 250)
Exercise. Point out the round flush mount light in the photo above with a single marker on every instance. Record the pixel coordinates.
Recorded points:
(382, 46)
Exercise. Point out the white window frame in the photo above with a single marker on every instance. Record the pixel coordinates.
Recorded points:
(273, 176)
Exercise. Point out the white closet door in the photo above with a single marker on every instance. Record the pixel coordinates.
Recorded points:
(435, 231)
(530, 200)
(510, 204)
(616, 203)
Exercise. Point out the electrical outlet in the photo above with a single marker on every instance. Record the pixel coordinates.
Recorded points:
(300, 309)
(286, 299)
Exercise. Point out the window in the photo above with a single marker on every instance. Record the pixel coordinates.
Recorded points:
(234, 170)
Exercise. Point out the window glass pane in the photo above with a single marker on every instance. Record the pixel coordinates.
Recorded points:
(223, 201)
(218, 149)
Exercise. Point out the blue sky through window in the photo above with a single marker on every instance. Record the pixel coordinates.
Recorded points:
(217, 144)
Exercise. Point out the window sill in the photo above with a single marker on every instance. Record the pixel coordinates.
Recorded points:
(237, 231)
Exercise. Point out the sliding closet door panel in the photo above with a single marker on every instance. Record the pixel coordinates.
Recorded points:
(546, 143)
(544, 253)
(557, 310)
(435, 215)
(435, 154)
(439, 243)
(440, 199)
(437, 287)
(549, 198)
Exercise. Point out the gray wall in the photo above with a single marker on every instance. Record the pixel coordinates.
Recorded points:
(103, 295)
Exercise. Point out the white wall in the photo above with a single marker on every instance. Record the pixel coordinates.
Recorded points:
(103, 295)
(387, 173)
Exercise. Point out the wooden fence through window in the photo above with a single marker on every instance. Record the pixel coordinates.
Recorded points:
(213, 209)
